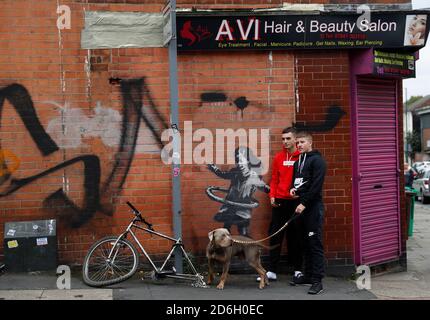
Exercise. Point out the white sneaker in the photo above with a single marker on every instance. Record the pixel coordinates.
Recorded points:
(270, 275)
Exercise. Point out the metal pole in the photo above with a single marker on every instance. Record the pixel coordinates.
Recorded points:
(406, 126)
(174, 120)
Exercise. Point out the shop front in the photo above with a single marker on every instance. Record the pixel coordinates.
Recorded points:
(89, 102)
(342, 79)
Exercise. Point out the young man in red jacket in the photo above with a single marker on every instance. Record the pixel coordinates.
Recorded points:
(283, 207)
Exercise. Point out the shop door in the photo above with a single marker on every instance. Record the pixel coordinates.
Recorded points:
(376, 190)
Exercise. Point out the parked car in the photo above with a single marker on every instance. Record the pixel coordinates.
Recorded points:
(421, 184)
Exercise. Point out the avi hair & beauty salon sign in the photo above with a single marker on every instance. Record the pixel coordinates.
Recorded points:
(229, 31)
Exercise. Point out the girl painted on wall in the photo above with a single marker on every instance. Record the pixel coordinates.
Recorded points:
(415, 31)
(244, 179)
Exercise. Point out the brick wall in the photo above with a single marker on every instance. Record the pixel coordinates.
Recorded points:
(78, 100)
(324, 82)
(86, 131)
(83, 113)
(265, 80)
(425, 138)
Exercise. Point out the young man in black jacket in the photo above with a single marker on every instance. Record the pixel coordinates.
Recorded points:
(308, 179)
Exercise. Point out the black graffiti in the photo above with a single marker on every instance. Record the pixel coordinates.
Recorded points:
(132, 104)
(333, 116)
(212, 97)
(115, 80)
(150, 114)
(137, 106)
(20, 99)
(76, 216)
(241, 103)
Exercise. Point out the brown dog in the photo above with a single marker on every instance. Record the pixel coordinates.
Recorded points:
(221, 248)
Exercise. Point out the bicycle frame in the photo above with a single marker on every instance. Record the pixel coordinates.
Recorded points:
(160, 271)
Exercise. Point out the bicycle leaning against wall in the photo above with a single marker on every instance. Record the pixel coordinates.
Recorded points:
(114, 259)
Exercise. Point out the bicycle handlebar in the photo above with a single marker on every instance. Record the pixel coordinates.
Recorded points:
(132, 207)
(138, 214)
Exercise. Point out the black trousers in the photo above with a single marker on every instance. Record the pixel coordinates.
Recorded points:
(314, 250)
(294, 233)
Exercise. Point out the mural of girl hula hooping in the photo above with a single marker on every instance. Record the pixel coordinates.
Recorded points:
(244, 179)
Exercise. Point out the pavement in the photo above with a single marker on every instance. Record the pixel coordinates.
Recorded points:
(411, 284)
(415, 282)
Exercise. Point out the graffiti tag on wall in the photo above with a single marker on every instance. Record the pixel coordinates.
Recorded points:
(134, 92)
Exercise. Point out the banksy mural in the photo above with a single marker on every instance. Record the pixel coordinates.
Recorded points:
(238, 200)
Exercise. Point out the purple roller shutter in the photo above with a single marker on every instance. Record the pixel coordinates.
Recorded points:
(377, 180)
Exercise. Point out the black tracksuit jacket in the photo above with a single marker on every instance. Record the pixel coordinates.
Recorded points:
(311, 169)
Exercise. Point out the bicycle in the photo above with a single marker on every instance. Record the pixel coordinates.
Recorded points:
(113, 259)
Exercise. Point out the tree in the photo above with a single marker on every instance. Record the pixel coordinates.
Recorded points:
(413, 141)
(412, 99)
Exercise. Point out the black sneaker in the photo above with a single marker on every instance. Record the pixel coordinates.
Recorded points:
(316, 288)
(300, 280)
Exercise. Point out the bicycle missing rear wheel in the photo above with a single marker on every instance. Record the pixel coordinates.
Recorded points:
(115, 259)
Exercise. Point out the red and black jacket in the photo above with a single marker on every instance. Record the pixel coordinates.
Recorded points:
(282, 174)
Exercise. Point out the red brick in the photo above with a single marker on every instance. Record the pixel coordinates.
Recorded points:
(33, 59)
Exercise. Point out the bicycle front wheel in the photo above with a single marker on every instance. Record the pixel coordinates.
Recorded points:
(106, 263)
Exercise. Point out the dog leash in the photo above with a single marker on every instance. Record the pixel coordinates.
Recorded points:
(294, 216)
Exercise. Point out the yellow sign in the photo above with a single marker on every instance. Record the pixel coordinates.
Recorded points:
(9, 162)
(12, 244)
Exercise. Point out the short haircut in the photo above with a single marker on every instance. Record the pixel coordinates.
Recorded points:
(304, 134)
(290, 129)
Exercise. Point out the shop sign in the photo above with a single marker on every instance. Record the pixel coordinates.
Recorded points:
(396, 64)
(282, 31)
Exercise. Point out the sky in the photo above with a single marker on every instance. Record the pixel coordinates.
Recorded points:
(419, 86)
